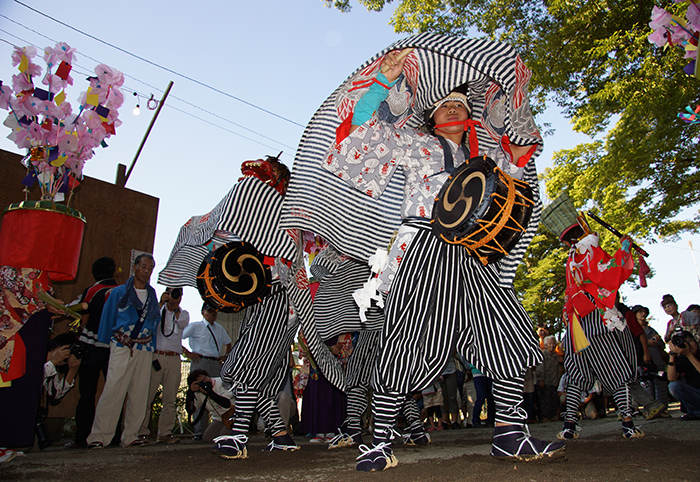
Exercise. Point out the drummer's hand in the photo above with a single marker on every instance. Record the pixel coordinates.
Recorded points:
(391, 66)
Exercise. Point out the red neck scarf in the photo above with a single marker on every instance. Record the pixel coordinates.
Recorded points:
(470, 127)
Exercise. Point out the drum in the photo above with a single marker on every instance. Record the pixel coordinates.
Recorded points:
(483, 209)
(233, 277)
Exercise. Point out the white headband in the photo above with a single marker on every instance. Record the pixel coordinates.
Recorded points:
(454, 97)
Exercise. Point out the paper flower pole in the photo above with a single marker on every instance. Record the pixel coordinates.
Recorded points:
(671, 30)
(693, 115)
(58, 141)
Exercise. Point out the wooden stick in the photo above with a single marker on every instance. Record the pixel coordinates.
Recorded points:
(616, 233)
(401, 55)
(50, 300)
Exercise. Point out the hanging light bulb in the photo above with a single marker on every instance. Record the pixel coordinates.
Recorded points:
(137, 109)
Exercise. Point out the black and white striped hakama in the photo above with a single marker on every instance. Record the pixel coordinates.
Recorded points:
(259, 359)
(443, 298)
(335, 308)
(386, 406)
(610, 359)
(358, 373)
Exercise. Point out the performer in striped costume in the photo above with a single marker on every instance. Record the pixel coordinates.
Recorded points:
(439, 298)
(337, 312)
(257, 363)
(592, 281)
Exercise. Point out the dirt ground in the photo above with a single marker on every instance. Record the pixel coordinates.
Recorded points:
(670, 451)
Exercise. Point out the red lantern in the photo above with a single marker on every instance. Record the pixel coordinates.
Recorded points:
(42, 235)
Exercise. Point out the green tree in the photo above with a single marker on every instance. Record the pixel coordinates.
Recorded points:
(640, 171)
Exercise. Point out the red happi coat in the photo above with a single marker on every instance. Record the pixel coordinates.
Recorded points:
(591, 270)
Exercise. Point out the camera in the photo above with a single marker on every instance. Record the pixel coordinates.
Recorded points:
(176, 293)
(678, 339)
(205, 385)
(78, 350)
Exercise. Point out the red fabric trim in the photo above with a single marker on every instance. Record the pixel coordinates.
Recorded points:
(633, 324)
(470, 127)
(522, 162)
(343, 130)
(18, 364)
(361, 84)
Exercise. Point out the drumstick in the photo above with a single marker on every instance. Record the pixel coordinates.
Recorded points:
(616, 233)
(401, 55)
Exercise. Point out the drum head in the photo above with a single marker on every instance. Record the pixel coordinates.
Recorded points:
(203, 279)
(483, 209)
(236, 274)
(464, 198)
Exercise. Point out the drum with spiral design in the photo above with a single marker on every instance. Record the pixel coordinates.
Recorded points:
(234, 276)
(483, 209)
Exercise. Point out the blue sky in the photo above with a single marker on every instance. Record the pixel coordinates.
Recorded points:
(285, 57)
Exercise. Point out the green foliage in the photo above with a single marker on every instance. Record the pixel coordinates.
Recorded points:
(540, 281)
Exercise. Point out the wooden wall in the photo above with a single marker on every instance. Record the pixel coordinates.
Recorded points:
(119, 220)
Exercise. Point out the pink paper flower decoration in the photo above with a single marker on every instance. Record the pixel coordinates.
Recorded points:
(38, 119)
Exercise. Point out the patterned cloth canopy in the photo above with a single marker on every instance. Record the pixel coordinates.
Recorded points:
(497, 88)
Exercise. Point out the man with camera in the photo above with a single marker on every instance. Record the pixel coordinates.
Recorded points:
(683, 360)
(206, 339)
(165, 371)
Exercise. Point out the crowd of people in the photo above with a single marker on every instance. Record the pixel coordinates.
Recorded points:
(460, 398)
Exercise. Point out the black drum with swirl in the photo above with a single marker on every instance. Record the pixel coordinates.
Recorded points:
(233, 277)
(483, 209)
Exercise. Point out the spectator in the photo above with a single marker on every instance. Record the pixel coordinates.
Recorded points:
(206, 338)
(529, 395)
(688, 320)
(60, 370)
(542, 333)
(484, 393)
(204, 390)
(683, 360)
(166, 371)
(657, 386)
(548, 376)
(595, 403)
(432, 401)
(652, 408)
(323, 405)
(59, 357)
(448, 384)
(96, 358)
(286, 400)
(129, 321)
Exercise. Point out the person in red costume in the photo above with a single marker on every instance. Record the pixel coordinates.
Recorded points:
(598, 344)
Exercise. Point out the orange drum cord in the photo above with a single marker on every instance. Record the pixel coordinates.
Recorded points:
(212, 293)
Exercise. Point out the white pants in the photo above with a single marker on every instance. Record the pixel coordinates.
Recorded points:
(127, 375)
(169, 377)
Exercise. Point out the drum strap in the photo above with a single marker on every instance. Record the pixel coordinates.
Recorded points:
(449, 160)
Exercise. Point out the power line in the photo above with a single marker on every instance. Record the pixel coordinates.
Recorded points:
(160, 66)
(168, 105)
